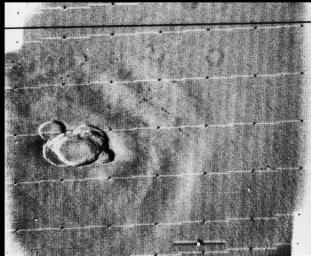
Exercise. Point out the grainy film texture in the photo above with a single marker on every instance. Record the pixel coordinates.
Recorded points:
(157, 128)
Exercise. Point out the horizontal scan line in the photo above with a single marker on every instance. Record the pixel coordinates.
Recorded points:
(200, 126)
(190, 242)
(159, 176)
(133, 225)
(164, 25)
(157, 32)
(253, 248)
(88, 6)
(210, 252)
(255, 218)
(156, 80)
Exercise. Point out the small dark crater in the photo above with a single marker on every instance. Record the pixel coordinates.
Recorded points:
(124, 74)
(17, 73)
(194, 5)
(215, 57)
(190, 5)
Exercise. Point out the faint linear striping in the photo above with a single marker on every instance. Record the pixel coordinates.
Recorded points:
(162, 80)
(110, 4)
(157, 32)
(133, 225)
(254, 248)
(254, 218)
(280, 244)
(202, 126)
(284, 214)
(181, 252)
(185, 175)
(194, 242)
(85, 7)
